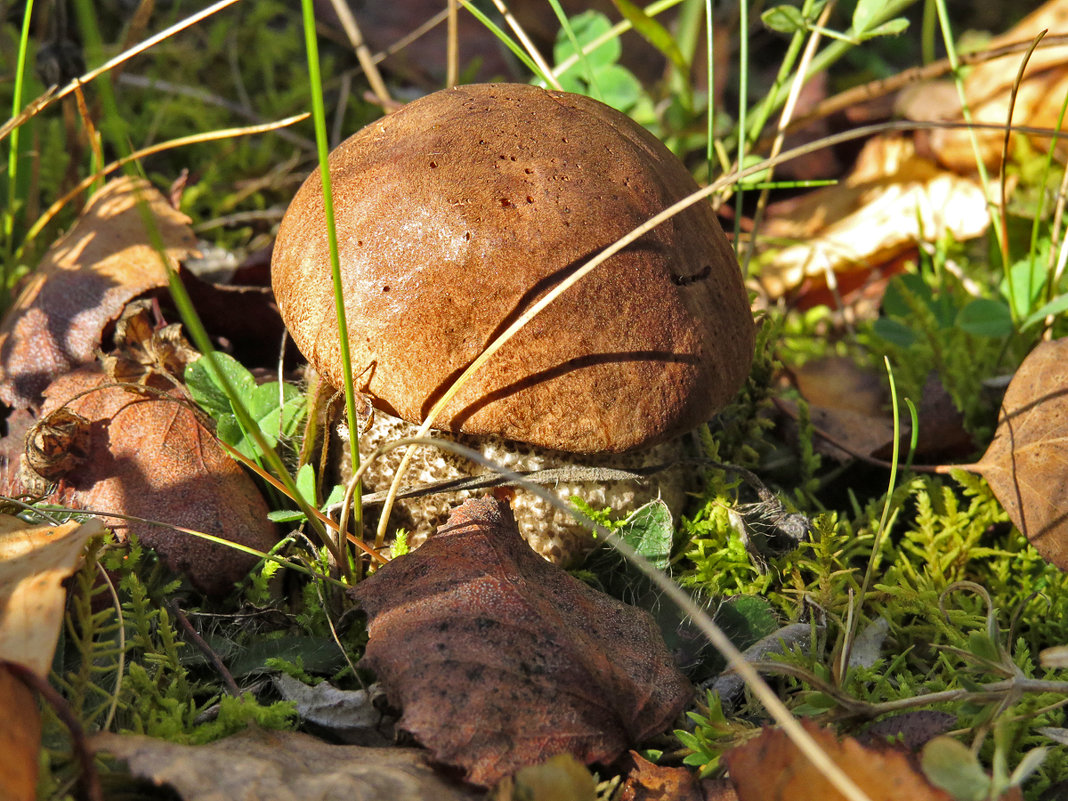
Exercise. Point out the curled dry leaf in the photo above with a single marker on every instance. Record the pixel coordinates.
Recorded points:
(149, 456)
(82, 284)
(281, 766)
(500, 659)
(34, 561)
(1026, 464)
(891, 200)
(770, 768)
(988, 89)
(646, 781)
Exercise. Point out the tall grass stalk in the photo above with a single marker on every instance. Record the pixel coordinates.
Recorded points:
(319, 117)
(13, 155)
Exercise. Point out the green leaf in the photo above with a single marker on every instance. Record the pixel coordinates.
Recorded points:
(654, 33)
(950, 765)
(305, 482)
(587, 26)
(1031, 762)
(619, 88)
(866, 12)
(1028, 279)
(892, 27)
(208, 392)
(893, 332)
(745, 619)
(650, 531)
(985, 318)
(1054, 307)
(785, 19)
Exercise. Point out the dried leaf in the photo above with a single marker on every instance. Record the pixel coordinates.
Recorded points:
(770, 768)
(892, 200)
(82, 284)
(1026, 464)
(500, 659)
(20, 739)
(648, 782)
(348, 715)
(149, 456)
(281, 766)
(988, 88)
(34, 560)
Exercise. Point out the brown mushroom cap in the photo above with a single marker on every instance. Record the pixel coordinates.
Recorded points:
(457, 212)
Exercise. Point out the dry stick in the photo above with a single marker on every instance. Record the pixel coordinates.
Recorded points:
(736, 661)
(452, 48)
(885, 86)
(207, 650)
(54, 93)
(532, 51)
(363, 54)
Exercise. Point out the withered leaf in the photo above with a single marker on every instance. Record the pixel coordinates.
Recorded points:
(20, 739)
(891, 200)
(771, 768)
(646, 781)
(1026, 464)
(34, 561)
(281, 766)
(499, 659)
(82, 284)
(990, 87)
(149, 456)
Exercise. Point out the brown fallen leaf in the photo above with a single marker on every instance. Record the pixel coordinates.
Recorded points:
(82, 284)
(149, 456)
(770, 768)
(499, 659)
(1026, 464)
(646, 781)
(850, 410)
(34, 560)
(20, 739)
(891, 200)
(259, 765)
(988, 88)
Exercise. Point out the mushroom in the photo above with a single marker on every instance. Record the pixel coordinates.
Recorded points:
(457, 212)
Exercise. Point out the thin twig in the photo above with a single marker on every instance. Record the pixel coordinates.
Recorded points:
(363, 53)
(204, 648)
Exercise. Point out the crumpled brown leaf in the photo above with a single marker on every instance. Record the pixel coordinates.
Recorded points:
(499, 659)
(259, 765)
(83, 283)
(148, 456)
(1026, 464)
(891, 200)
(770, 768)
(646, 781)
